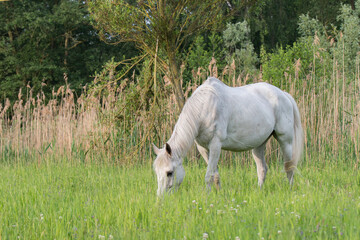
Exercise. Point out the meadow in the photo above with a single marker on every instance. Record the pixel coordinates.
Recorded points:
(80, 167)
(79, 201)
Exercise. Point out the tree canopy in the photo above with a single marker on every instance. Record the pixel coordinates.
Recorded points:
(44, 43)
(157, 24)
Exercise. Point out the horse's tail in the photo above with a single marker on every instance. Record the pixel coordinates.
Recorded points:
(298, 140)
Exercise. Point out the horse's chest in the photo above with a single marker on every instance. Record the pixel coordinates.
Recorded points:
(206, 134)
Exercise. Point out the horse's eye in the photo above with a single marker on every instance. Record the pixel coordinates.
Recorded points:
(169, 174)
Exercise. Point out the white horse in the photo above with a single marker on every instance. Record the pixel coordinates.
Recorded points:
(217, 117)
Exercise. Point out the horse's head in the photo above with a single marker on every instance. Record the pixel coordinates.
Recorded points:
(168, 168)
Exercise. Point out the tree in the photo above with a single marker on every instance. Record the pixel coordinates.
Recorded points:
(163, 23)
(240, 48)
(40, 41)
(273, 23)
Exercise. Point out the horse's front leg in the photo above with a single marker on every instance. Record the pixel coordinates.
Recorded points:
(259, 156)
(212, 174)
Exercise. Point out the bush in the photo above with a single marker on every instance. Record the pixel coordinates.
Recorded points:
(295, 60)
(240, 48)
(317, 50)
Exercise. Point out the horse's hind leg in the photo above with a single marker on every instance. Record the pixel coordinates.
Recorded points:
(284, 134)
(289, 164)
(259, 156)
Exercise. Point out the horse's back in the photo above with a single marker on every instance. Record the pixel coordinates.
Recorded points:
(261, 89)
(264, 94)
(242, 117)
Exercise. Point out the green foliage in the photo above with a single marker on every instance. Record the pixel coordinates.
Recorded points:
(317, 49)
(124, 20)
(163, 25)
(240, 49)
(40, 41)
(348, 40)
(199, 56)
(203, 49)
(236, 36)
(43, 40)
(274, 22)
(284, 62)
(233, 45)
(308, 26)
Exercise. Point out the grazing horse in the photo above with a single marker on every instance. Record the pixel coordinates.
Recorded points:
(217, 117)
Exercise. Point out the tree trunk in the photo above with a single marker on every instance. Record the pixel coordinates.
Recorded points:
(67, 36)
(352, 3)
(176, 81)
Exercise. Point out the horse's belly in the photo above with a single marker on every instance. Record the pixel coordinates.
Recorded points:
(244, 143)
(247, 137)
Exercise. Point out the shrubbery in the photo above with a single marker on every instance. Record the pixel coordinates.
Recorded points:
(317, 50)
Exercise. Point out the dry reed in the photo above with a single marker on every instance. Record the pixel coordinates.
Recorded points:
(89, 128)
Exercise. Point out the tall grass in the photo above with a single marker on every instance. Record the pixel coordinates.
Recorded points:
(75, 201)
(120, 125)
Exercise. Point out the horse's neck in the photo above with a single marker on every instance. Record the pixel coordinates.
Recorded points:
(183, 136)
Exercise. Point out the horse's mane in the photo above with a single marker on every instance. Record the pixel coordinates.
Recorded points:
(187, 126)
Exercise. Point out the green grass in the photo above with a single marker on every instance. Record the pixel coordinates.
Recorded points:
(67, 201)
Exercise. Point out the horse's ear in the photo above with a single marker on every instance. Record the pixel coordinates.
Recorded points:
(168, 149)
(156, 150)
